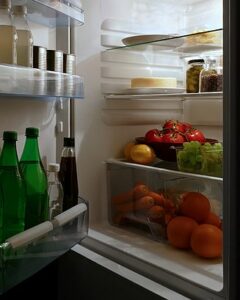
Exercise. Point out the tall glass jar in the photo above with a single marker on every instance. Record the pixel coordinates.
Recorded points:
(211, 77)
(25, 38)
(195, 66)
(8, 34)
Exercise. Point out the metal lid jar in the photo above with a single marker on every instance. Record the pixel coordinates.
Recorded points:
(211, 77)
(195, 66)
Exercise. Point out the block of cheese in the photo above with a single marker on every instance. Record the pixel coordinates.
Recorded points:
(204, 38)
(153, 82)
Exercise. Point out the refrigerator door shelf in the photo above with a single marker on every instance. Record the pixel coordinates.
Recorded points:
(24, 254)
(53, 13)
(30, 82)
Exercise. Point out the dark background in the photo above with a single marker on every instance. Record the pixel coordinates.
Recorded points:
(73, 277)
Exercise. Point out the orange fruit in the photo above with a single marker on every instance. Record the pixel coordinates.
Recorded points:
(213, 219)
(142, 154)
(207, 240)
(196, 206)
(155, 212)
(126, 150)
(179, 231)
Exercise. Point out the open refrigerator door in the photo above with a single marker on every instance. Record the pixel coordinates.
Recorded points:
(30, 97)
(138, 39)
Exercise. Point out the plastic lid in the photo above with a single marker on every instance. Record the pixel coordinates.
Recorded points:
(32, 132)
(69, 142)
(10, 135)
(19, 9)
(200, 60)
(52, 167)
(5, 3)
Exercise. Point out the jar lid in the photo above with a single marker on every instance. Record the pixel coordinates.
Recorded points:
(19, 9)
(200, 60)
(69, 142)
(32, 132)
(10, 135)
(52, 167)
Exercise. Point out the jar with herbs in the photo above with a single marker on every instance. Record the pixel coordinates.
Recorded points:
(195, 66)
(211, 77)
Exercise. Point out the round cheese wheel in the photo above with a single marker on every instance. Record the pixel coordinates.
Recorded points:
(152, 82)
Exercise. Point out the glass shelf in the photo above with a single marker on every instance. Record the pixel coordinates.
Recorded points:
(26, 253)
(53, 13)
(30, 82)
(195, 43)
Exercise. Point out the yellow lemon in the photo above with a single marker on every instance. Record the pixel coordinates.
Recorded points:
(142, 154)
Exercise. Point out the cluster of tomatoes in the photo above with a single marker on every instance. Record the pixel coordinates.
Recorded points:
(175, 132)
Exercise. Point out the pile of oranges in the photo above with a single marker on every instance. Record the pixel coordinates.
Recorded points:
(189, 222)
(196, 227)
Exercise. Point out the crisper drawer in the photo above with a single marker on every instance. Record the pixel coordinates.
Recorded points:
(147, 199)
(26, 253)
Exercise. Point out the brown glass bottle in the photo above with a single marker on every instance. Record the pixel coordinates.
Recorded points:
(68, 174)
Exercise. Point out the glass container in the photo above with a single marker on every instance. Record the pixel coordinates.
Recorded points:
(8, 34)
(195, 66)
(25, 38)
(211, 77)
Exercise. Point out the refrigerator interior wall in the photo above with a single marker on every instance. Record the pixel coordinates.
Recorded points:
(105, 72)
(94, 138)
(18, 113)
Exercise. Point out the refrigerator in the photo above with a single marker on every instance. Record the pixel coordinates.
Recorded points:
(103, 113)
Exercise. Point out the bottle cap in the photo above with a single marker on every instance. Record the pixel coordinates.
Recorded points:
(55, 60)
(69, 142)
(5, 3)
(19, 9)
(39, 57)
(10, 135)
(52, 167)
(32, 132)
(69, 64)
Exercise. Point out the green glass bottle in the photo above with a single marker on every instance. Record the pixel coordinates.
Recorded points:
(12, 189)
(35, 180)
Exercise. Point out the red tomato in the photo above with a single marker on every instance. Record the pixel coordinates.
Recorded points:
(174, 138)
(195, 135)
(187, 126)
(153, 135)
(176, 126)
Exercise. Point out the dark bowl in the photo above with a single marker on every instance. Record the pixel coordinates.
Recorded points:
(167, 151)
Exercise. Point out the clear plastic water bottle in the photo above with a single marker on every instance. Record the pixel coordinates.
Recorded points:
(55, 191)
